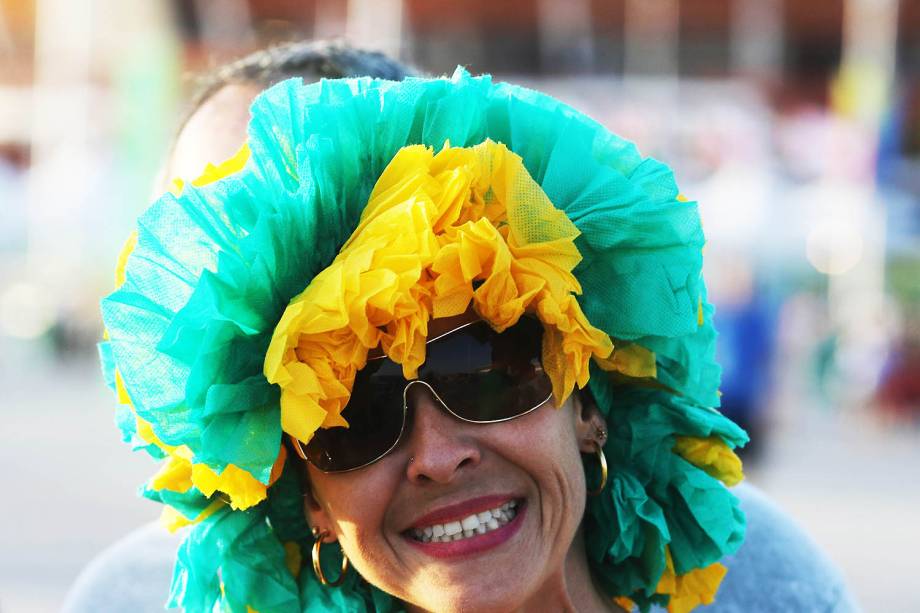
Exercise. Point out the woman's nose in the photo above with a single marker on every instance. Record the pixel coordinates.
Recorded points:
(439, 446)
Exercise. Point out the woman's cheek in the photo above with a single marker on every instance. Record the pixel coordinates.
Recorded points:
(356, 504)
(557, 474)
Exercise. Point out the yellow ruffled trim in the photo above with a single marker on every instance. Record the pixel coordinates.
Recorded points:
(179, 472)
(121, 264)
(175, 475)
(631, 360)
(293, 559)
(711, 455)
(212, 173)
(699, 309)
(173, 520)
(439, 232)
(223, 594)
(688, 591)
(243, 489)
(230, 166)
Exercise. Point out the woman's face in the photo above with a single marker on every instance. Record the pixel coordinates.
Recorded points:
(445, 471)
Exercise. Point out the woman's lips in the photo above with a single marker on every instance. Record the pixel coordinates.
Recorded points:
(468, 528)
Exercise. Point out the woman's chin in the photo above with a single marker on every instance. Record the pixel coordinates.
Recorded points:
(482, 598)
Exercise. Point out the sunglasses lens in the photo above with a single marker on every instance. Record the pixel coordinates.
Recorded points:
(484, 376)
(375, 420)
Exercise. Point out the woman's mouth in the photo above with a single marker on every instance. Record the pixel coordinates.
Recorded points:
(469, 532)
(469, 526)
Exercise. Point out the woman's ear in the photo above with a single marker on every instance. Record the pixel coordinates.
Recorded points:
(313, 509)
(315, 513)
(590, 426)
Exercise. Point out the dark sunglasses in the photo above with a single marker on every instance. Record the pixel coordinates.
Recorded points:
(481, 377)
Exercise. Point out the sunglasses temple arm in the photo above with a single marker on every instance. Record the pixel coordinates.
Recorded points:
(297, 446)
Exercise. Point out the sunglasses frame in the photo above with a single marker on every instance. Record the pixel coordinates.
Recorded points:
(298, 446)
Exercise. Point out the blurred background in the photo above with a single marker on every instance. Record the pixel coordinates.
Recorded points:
(795, 124)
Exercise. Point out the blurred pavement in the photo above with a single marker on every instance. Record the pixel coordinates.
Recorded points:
(67, 482)
(854, 485)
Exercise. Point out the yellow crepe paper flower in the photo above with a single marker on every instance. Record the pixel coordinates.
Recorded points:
(175, 475)
(688, 591)
(179, 473)
(292, 557)
(631, 360)
(173, 520)
(713, 456)
(122, 263)
(440, 232)
(231, 165)
(243, 489)
(212, 173)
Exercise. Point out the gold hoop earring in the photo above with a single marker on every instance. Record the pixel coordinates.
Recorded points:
(317, 569)
(603, 460)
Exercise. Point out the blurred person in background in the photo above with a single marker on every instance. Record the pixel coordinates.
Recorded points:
(745, 350)
(215, 123)
(778, 568)
(898, 394)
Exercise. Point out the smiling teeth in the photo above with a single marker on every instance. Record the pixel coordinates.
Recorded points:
(472, 525)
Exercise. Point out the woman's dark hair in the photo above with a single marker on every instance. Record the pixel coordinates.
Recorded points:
(311, 60)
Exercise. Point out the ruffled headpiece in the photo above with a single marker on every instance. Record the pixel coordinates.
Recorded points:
(359, 210)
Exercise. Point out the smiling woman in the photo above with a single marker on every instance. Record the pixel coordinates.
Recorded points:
(450, 488)
(419, 318)
(476, 520)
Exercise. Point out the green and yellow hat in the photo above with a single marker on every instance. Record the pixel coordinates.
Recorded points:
(359, 210)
